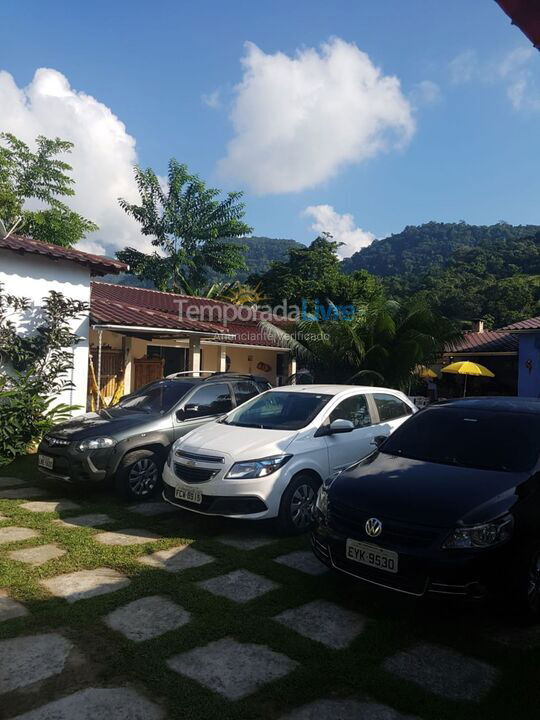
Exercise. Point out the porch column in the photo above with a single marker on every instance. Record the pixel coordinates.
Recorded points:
(292, 365)
(194, 362)
(129, 367)
(222, 358)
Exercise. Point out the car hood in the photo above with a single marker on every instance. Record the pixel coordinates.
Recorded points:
(241, 443)
(103, 423)
(424, 493)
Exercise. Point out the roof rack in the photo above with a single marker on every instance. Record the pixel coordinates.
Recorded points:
(213, 373)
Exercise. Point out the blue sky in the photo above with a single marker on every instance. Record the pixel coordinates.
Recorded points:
(457, 140)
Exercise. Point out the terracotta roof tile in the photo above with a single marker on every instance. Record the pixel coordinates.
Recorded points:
(528, 324)
(482, 342)
(98, 264)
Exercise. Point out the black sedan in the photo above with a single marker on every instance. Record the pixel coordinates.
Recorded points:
(448, 504)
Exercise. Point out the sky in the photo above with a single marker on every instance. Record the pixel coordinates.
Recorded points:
(356, 117)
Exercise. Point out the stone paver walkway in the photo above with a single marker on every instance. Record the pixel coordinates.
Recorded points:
(345, 710)
(147, 618)
(132, 536)
(304, 561)
(10, 608)
(85, 583)
(325, 622)
(49, 506)
(13, 533)
(182, 557)
(29, 659)
(241, 586)
(90, 520)
(36, 556)
(23, 493)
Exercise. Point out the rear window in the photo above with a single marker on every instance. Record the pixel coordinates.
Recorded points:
(390, 407)
(469, 438)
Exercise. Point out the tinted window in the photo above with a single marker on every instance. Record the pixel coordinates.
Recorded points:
(390, 407)
(354, 409)
(212, 399)
(244, 390)
(279, 410)
(469, 438)
(160, 396)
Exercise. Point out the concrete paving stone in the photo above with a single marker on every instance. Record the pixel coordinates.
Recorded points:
(30, 659)
(325, 622)
(85, 583)
(304, 561)
(520, 637)
(152, 508)
(10, 608)
(246, 543)
(345, 710)
(147, 618)
(39, 555)
(232, 669)
(443, 672)
(11, 534)
(98, 704)
(241, 586)
(181, 557)
(90, 520)
(22, 493)
(49, 506)
(11, 482)
(132, 536)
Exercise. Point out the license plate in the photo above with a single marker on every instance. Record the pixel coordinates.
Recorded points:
(45, 461)
(194, 496)
(372, 555)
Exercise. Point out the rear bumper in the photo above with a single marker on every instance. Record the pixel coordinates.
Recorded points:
(463, 575)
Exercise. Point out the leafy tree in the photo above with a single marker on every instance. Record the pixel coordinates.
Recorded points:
(187, 222)
(381, 344)
(314, 273)
(39, 176)
(34, 368)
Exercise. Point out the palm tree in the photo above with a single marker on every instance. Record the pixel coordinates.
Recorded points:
(382, 343)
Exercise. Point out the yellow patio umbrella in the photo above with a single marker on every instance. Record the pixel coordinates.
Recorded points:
(466, 367)
(424, 372)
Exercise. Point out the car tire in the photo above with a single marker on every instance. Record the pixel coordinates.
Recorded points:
(526, 587)
(138, 477)
(297, 504)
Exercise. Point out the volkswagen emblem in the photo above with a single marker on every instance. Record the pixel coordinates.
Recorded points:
(373, 527)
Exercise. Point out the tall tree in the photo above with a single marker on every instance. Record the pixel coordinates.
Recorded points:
(39, 176)
(186, 221)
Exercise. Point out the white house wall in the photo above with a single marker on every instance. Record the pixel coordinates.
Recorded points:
(33, 277)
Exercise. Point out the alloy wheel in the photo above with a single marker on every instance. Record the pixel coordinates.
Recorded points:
(302, 504)
(143, 477)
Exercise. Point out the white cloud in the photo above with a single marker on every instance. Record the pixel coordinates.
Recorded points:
(102, 158)
(213, 99)
(513, 71)
(426, 92)
(299, 120)
(341, 227)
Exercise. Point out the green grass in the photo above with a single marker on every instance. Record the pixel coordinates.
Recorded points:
(110, 659)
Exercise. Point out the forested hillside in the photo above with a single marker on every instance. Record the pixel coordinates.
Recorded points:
(466, 271)
(262, 252)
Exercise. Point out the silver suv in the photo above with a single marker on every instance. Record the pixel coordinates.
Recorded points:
(128, 443)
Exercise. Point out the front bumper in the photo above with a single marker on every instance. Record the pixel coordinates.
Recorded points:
(70, 465)
(422, 571)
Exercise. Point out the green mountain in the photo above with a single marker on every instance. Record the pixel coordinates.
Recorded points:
(467, 271)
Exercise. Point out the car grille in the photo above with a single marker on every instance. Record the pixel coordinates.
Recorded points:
(193, 475)
(350, 522)
(200, 458)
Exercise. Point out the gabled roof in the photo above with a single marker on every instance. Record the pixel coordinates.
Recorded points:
(488, 341)
(98, 264)
(123, 305)
(523, 325)
(526, 15)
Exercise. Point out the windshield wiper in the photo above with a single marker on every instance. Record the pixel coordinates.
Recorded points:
(249, 425)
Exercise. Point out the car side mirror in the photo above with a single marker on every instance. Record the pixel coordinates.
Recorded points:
(340, 426)
(190, 410)
(378, 440)
(180, 415)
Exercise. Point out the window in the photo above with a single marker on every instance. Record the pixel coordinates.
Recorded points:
(211, 399)
(505, 441)
(390, 407)
(244, 390)
(156, 397)
(353, 408)
(279, 410)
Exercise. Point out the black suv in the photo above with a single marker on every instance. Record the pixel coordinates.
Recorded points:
(128, 443)
(448, 504)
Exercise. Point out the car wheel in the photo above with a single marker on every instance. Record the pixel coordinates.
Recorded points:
(297, 505)
(139, 475)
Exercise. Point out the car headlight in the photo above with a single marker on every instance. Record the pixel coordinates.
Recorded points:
(257, 468)
(485, 535)
(322, 501)
(96, 443)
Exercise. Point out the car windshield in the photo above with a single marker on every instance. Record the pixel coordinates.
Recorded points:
(278, 411)
(156, 397)
(484, 439)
